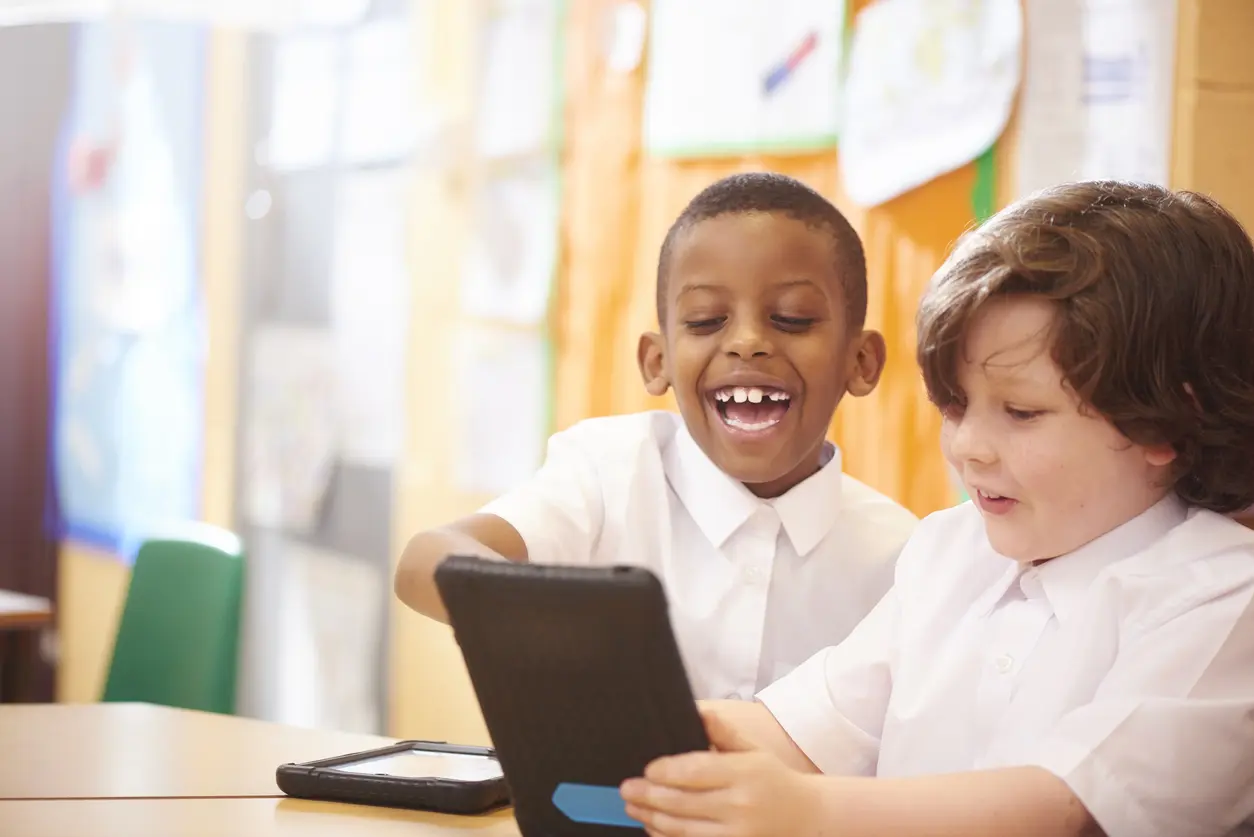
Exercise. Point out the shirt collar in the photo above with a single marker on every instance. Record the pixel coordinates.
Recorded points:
(720, 505)
(1066, 579)
(809, 510)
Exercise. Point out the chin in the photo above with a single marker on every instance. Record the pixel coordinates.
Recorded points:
(1016, 549)
(751, 473)
(763, 479)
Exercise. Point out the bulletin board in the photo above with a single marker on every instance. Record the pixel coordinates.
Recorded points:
(128, 347)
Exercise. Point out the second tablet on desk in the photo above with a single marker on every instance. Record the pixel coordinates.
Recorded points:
(580, 682)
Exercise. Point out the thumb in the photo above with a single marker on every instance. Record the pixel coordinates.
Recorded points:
(723, 734)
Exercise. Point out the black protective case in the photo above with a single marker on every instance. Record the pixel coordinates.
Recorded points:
(321, 780)
(578, 675)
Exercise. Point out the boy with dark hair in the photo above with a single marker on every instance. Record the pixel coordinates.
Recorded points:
(1072, 652)
(767, 551)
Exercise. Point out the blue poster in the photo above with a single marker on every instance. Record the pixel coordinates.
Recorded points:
(128, 332)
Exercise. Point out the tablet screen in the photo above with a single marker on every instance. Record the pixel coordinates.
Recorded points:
(427, 764)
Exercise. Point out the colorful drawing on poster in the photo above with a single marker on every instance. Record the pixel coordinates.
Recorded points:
(128, 339)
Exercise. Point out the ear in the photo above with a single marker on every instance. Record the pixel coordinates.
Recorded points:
(869, 353)
(1159, 456)
(651, 357)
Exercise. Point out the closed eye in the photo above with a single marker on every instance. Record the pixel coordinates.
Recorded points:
(1023, 415)
(705, 326)
(793, 323)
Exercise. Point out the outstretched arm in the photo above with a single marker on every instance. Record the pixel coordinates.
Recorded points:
(480, 535)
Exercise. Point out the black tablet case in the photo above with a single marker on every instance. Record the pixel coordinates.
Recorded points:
(322, 780)
(580, 682)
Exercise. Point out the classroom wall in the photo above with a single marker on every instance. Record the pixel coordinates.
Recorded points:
(92, 585)
(1214, 119)
(609, 240)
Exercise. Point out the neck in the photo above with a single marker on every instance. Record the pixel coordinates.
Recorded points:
(808, 467)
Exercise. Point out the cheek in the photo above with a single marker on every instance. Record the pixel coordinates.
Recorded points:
(1038, 461)
(822, 370)
(684, 363)
(946, 441)
(1051, 473)
(1070, 476)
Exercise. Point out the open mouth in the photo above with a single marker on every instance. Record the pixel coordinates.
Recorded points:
(751, 409)
(994, 503)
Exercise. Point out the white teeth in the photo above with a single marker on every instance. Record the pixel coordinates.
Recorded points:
(753, 395)
(987, 496)
(751, 426)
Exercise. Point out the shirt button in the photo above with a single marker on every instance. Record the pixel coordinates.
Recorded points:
(755, 576)
(1030, 584)
(1004, 663)
(734, 696)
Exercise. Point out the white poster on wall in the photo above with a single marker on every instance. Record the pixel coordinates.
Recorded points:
(1097, 92)
(290, 427)
(512, 253)
(931, 86)
(370, 314)
(518, 79)
(384, 117)
(501, 407)
(305, 95)
(740, 76)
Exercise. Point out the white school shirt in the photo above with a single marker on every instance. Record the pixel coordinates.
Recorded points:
(1126, 668)
(755, 586)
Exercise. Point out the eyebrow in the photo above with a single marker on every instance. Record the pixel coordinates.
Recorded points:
(1011, 380)
(799, 283)
(687, 289)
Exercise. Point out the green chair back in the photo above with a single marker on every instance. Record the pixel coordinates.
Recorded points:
(178, 639)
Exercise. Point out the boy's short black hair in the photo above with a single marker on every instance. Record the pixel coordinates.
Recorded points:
(1154, 323)
(774, 193)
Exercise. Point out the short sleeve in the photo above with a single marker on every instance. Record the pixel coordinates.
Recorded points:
(1166, 746)
(559, 511)
(833, 705)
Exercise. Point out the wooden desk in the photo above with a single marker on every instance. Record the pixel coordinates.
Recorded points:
(18, 610)
(252, 817)
(22, 619)
(119, 750)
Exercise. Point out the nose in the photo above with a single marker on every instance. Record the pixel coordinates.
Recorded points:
(748, 338)
(968, 441)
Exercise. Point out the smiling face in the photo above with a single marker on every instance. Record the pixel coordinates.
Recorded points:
(1047, 474)
(757, 345)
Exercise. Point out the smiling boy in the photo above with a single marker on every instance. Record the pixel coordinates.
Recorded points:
(1072, 652)
(767, 551)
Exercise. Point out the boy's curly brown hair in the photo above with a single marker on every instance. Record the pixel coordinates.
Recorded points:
(1154, 330)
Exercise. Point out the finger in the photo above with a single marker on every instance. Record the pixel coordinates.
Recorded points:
(661, 824)
(707, 770)
(699, 771)
(688, 804)
(723, 733)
